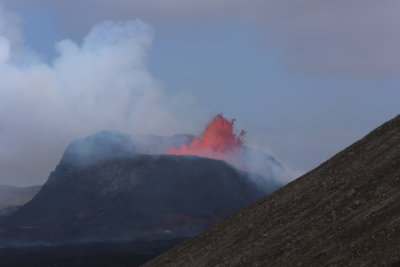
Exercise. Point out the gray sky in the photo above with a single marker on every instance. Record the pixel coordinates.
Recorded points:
(305, 79)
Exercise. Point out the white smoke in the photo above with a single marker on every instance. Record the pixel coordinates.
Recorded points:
(102, 83)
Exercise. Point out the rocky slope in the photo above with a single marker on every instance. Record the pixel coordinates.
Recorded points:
(346, 212)
(142, 196)
(110, 145)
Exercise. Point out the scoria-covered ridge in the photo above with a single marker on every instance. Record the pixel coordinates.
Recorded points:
(346, 212)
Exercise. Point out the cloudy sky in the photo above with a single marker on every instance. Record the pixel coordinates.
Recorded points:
(304, 78)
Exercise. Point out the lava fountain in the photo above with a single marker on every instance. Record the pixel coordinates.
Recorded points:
(218, 141)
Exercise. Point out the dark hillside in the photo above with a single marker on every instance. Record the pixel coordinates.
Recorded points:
(346, 212)
(141, 197)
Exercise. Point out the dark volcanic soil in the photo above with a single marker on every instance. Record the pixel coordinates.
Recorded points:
(96, 254)
(346, 212)
(139, 197)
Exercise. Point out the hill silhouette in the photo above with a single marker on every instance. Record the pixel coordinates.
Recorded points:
(346, 212)
(138, 197)
(113, 200)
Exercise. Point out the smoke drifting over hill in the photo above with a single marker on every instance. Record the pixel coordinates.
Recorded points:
(101, 83)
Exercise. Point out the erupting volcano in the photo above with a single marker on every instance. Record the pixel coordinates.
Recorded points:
(218, 141)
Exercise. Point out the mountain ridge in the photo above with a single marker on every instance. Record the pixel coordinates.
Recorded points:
(141, 197)
(344, 212)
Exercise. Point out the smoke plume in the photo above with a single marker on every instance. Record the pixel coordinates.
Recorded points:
(220, 141)
(101, 83)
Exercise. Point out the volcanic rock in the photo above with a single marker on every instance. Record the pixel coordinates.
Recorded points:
(137, 197)
(107, 145)
(346, 212)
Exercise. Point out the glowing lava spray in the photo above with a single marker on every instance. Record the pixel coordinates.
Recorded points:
(218, 141)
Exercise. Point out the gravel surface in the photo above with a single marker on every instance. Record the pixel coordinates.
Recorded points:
(346, 212)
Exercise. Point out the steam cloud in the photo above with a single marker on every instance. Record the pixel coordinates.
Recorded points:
(102, 83)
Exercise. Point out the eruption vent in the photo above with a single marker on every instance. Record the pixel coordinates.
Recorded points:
(218, 141)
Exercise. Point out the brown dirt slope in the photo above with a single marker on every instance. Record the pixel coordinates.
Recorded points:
(346, 212)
